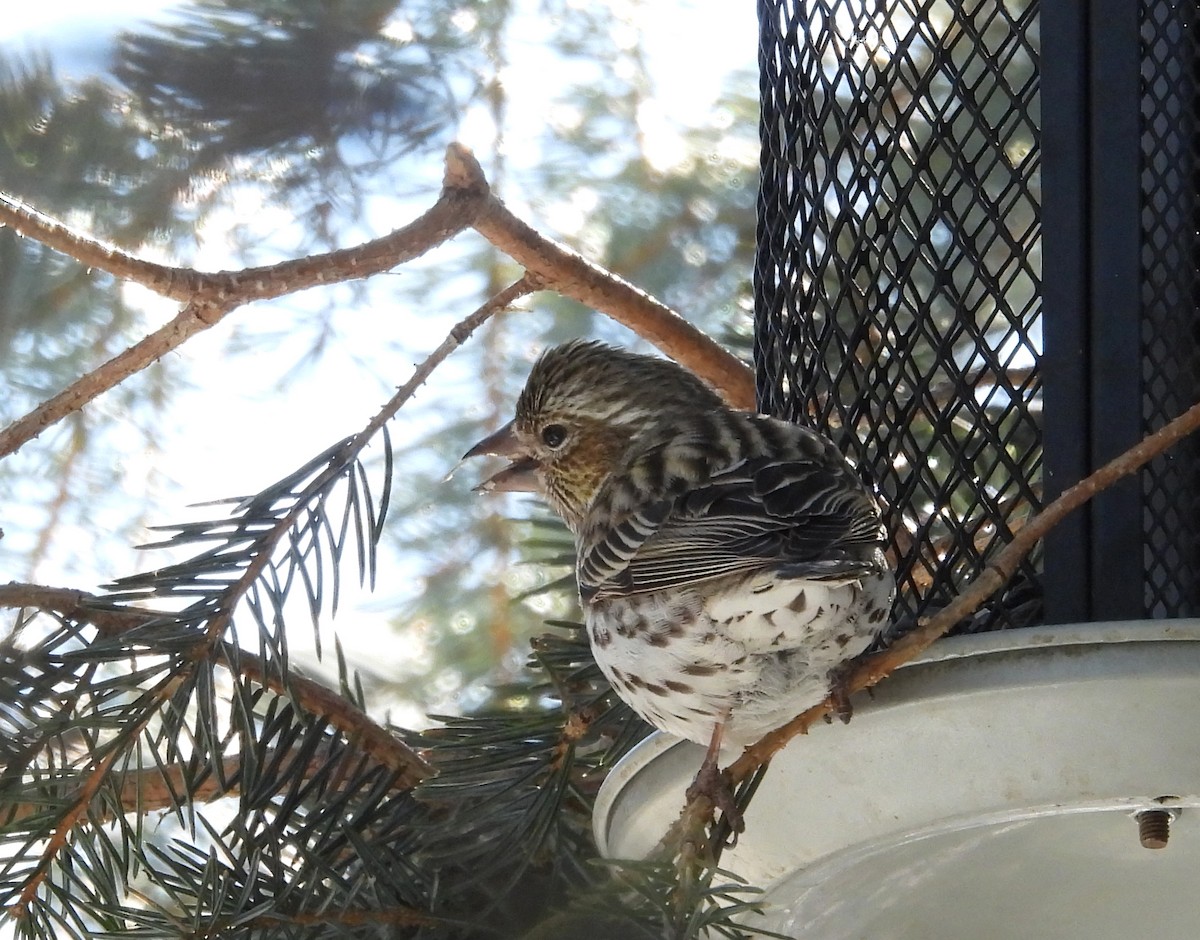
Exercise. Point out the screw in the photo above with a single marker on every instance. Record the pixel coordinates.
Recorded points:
(1154, 828)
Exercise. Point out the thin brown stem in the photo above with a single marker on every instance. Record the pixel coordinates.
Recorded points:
(90, 782)
(463, 195)
(458, 335)
(572, 275)
(145, 790)
(191, 320)
(65, 473)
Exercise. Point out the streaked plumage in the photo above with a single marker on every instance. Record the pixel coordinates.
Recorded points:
(728, 562)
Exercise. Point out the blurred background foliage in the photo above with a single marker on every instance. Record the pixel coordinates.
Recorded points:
(225, 134)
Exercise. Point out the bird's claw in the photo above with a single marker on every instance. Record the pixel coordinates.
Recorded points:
(839, 693)
(714, 784)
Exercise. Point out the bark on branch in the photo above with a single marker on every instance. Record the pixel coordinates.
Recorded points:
(464, 194)
(570, 274)
(465, 201)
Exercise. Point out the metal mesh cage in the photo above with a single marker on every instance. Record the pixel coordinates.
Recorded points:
(898, 275)
(1170, 297)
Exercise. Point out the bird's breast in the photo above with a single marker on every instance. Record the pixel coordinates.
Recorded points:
(758, 647)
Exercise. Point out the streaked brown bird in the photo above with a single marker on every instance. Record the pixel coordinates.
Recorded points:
(729, 564)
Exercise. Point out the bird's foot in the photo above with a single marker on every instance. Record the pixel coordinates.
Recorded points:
(714, 784)
(839, 692)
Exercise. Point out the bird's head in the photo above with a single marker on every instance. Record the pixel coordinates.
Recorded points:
(585, 410)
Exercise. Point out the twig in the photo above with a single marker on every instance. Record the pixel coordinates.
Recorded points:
(88, 786)
(191, 320)
(210, 297)
(147, 790)
(527, 284)
(463, 196)
(465, 200)
(572, 275)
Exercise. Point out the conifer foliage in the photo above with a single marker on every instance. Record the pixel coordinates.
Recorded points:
(167, 774)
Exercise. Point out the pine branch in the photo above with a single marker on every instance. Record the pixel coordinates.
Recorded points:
(144, 791)
(237, 560)
(92, 778)
(316, 699)
(192, 319)
(280, 538)
(320, 815)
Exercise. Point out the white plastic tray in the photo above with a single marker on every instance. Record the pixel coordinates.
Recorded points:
(987, 791)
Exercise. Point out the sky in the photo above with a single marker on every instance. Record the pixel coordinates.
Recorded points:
(76, 32)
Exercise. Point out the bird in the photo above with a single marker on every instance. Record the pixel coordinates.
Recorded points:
(730, 564)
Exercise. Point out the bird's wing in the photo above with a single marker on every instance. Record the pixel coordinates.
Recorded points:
(807, 518)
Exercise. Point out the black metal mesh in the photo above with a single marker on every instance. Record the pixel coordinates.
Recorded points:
(898, 270)
(1170, 293)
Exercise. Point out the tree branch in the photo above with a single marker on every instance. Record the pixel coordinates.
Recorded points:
(572, 275)
(210, 297)
(466, 200)
(313, 697)
(88, 785)
(367, 734)
(458, 335)
(191, 320)
(146, 790)
(464, 194)
(409, 767)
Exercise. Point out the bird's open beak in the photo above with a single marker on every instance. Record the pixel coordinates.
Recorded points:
(520, 476)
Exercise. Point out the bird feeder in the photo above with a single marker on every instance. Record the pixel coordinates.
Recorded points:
(978, 271)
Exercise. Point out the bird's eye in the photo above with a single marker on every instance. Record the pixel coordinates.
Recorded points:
(553, 435)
